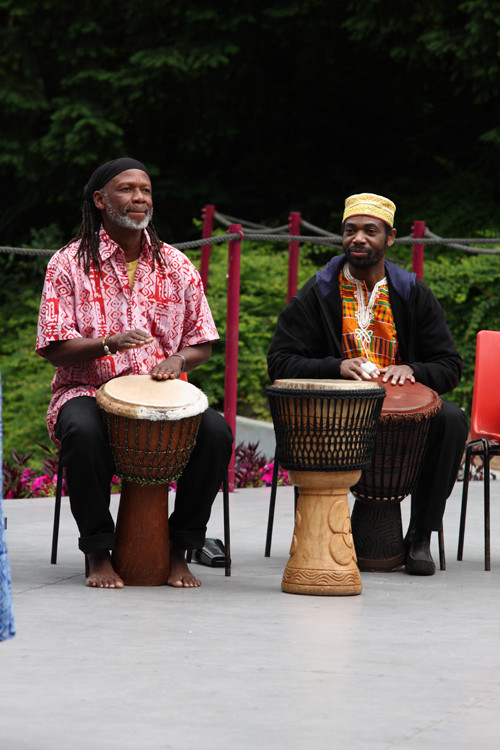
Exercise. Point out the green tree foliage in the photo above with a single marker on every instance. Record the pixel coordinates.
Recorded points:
(82, 83)
(26, 377)
(260, 108)
(443, 60)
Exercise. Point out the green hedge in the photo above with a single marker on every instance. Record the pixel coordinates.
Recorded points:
(467, 286)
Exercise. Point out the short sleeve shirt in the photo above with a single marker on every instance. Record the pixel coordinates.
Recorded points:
(166, 299)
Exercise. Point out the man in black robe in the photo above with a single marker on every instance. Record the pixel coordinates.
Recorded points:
(360, 317)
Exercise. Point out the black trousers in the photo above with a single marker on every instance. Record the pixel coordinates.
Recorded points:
(443, 454)
(90, 466)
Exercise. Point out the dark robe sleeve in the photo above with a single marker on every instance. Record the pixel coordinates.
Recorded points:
(305, 343)
(435, 359)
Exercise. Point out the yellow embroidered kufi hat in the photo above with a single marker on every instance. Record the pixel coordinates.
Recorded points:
(369, 204)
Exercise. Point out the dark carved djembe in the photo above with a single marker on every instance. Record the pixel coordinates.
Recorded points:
(392, 475)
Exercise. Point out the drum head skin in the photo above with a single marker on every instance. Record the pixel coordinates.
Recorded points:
(409, 398)
(143, 397)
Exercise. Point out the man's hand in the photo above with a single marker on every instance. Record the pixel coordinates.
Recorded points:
(120, 342)
(352, 369)
(397, 374)
(168, 369)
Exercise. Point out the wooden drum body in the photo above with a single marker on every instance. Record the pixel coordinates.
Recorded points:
(392, 474)
(152, 427)
(324, 435)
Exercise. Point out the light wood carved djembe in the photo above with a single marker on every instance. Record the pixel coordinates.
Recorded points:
(325, 431)
(152, 427)
(392, 475)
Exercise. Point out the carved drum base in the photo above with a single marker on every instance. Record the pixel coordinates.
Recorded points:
(142, 553)
(378, 534)
(322, 555)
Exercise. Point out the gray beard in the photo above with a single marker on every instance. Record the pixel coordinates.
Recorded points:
(123, 220)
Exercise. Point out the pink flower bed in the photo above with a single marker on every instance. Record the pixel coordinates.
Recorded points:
(251, 470)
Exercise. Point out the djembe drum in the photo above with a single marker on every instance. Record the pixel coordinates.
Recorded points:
(392, 475)
(324, 434)
(152, 427)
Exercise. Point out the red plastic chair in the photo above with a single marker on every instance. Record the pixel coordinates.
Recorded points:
(485, 428)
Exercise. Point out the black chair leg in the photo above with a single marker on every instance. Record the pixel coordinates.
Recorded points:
(442, 557)
(57, 512)
(227, 536)
(227, 533)
(189, 555)
(465, 493)
(272, 504)
(486, 480)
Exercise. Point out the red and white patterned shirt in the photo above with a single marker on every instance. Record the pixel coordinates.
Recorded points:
(169, 302)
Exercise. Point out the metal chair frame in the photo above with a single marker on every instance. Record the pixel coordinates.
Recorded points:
(486, 450)
(485, 430)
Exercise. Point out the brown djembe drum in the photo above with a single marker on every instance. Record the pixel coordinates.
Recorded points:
(392, 475)
(152, 427)
(324, 435)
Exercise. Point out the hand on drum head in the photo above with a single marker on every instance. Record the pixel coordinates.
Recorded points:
(358, 368)
(169, 368)
(120, 342)
(397, 374)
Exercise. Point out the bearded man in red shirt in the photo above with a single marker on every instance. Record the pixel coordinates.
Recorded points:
(117, 301)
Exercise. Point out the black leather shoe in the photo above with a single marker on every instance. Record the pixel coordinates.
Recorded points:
(419, 560)
(212, 554)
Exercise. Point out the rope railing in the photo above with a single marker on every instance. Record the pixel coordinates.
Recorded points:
(318, 230)
(227, 220)
(25, 251)
(456, 243)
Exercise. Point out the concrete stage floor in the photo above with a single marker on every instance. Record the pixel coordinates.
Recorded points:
(412, 663)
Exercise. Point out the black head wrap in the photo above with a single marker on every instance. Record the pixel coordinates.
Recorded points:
(103, 174)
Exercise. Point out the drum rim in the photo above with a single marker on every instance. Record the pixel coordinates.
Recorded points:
(152, 412)
(368, 393)
(332, 385)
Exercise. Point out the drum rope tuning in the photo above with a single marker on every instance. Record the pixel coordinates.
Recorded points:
(156, 455)
(324, 430)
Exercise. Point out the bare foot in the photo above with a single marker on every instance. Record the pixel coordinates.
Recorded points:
(180, 575)
(101, 573)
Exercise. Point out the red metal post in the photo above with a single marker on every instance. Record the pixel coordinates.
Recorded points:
(293, 254)
(207, 214)
(418, 230)
(232, 335)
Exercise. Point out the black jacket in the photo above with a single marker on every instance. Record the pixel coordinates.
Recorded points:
(307, 340)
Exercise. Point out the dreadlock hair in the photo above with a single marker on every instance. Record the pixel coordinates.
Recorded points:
(88, 234)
